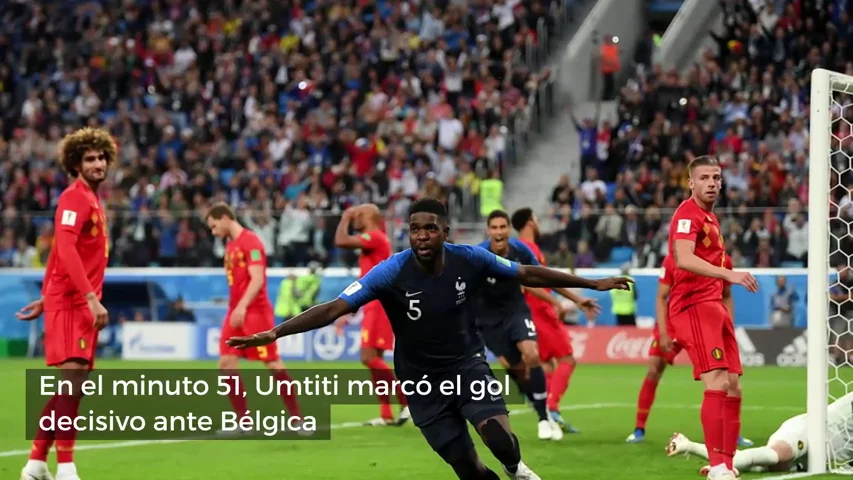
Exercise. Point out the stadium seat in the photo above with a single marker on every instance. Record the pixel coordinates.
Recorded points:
(620, 255)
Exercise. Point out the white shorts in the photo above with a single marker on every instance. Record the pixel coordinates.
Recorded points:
(793, 432)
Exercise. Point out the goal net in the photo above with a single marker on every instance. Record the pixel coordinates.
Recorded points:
(830, 272)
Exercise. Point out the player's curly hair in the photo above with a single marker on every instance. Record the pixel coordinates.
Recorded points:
(75, 145)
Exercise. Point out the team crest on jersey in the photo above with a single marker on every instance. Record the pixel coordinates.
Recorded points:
(460, 290)
(654, 343)
(800, 445)
(82, 344)
(717, 354)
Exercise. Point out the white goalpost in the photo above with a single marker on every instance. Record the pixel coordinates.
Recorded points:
(831, 92)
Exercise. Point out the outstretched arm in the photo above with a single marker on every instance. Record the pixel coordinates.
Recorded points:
(535, 276)
(311, 319)
(315, 317)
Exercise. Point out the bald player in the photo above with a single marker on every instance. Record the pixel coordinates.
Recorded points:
(376, 333)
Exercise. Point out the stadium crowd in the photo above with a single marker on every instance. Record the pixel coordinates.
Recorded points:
(290, 111)
(747, 103)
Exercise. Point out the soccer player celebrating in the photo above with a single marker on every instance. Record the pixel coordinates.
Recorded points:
(72, 289)
(555, 348)
(506, 326)
(376, 333)
(787, 449)
(426, 292)
(664, 349)
(249, 307)
(700, 320)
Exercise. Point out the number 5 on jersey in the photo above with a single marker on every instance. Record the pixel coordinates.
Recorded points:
(414, 312)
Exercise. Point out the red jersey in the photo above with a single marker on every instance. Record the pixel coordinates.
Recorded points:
(240, 254)
(533, 302)
(692, 222)
(78, 261)
(375, 248)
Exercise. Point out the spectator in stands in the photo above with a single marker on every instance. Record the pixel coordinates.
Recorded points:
(263, 106)
(745, 103)
(782, 303)
(178, 312)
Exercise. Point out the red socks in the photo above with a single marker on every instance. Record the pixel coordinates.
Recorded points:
(381, 372)
(558, 383)
(731, 416)
(645, 401)
(66, 406)
(713, 426)
(289, 399)
(237, 395)
(44, 439)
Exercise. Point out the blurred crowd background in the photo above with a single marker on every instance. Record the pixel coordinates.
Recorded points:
(293, 111)
(747, 103)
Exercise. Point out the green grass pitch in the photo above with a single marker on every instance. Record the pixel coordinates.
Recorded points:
(600, 402)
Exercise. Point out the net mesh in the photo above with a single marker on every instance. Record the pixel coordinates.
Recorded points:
(840, 328)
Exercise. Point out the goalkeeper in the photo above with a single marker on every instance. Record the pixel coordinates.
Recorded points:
(787, 448)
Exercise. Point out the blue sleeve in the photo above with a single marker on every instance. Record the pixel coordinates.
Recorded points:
(488, 263)
(525, 254)
(378, 279)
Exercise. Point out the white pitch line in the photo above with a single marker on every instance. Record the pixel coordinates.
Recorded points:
(791, 475)
(525, 411)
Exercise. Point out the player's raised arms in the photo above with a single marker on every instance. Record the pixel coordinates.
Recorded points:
(381, 278)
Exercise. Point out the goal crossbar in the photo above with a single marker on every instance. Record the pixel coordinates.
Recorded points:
(824, 84)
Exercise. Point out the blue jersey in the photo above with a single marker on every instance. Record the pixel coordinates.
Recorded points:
(502, 296)
(433, 316)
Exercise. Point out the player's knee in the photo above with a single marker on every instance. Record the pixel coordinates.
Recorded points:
(531, 361)
(716, 380)
(654, 374)
(368, 355)
(530, 357)
(228, 362)
(498, 438)
(276, 366)
(734, 390)
(569, 359)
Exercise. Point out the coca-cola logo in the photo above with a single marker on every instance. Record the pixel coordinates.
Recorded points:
(624, 346)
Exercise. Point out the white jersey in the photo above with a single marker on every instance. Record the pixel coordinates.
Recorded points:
(839, 419)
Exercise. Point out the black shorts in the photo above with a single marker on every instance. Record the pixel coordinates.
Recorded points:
(502, 337)
(443, 417)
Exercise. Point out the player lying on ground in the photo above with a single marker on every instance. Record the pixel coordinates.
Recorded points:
(664, 349)
(376, 333)
(72, 290)
(701, 321)
(555, 346)
(249, 307)
(425, 290)
(787, 449)
(505, 323)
